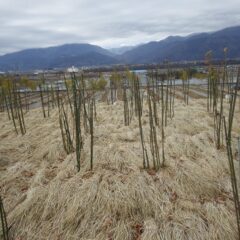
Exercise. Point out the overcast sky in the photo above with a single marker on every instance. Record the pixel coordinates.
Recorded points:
(108, 23)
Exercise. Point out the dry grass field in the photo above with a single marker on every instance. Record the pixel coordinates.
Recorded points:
(46, 198)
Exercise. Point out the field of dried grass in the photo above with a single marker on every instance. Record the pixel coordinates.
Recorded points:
(45, 197)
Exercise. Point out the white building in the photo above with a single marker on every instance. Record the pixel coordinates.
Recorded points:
(72, 69)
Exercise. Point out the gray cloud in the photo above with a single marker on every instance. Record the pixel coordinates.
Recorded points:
(34, 23)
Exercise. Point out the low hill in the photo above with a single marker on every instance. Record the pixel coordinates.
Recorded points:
(59, 56)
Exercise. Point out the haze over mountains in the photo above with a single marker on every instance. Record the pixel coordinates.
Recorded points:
(121, 50)
(173, 48)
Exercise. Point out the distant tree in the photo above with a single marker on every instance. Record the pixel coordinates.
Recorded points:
(99, 84)
(27, 83)
(102, 82)
(5, 83)
(115, 79)
(184, 75)
(24, 81)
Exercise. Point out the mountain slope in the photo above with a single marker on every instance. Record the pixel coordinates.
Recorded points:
(192, 47)
(86, 59)
(60, 56)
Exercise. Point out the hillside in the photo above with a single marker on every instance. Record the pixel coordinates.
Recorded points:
(192, 47)
(59, 56)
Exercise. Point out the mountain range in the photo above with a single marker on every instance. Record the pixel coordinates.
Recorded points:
(173, 48)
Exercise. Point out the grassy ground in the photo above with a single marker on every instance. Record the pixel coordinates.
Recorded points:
(45, 198)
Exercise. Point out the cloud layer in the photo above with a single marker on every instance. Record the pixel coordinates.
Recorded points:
(108, 23)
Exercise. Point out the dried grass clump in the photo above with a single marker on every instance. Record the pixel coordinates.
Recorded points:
(190, 198)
